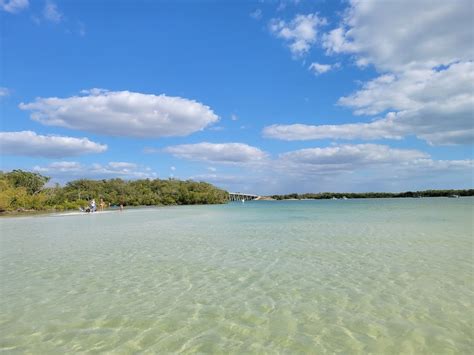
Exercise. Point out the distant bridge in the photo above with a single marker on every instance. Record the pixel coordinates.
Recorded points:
(239, 196)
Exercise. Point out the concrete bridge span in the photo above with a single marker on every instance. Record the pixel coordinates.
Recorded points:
(239, 196)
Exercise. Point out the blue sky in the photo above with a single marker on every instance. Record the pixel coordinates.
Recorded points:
(262, 97)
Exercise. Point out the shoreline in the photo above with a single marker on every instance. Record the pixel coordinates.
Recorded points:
(32, 213)
(29, 213)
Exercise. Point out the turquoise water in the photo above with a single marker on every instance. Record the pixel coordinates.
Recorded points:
(355, 276)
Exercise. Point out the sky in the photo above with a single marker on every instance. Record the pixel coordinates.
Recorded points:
(262, 97)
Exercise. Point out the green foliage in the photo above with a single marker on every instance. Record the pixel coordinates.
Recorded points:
(32, 182)
(20, 190)
(329, 195)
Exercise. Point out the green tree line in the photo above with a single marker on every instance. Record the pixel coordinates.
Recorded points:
(330, 195)
(23, 190)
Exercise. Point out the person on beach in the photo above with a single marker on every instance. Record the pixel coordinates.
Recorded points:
(101, 204)
(93, 206)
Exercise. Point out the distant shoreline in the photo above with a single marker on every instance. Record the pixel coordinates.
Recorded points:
(361, 195)
(359, 198)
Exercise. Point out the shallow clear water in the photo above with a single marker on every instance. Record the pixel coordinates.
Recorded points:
(355, 276)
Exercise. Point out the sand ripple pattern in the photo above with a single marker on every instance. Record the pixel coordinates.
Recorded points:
(369, 276)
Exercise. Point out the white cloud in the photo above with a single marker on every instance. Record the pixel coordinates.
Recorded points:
(346, 167)
(318, 68)
(343, 167)
(420, 174)
(68, 170)
(310, 163)
(427, 88)
(438, 109)
(13, 6)
(123, 113)
(435, 105)
(4, 92)
(348, 157)
(51, 12)
(301, 32)
(301, 132)
(122, 165)
(367, 167)
(234, 117)
(390, 127)
(60, 166)
(414, 90)
(431, 165)
(256, 15)
(28, 143)
(233, 153)
(335, 41)
(405, 34)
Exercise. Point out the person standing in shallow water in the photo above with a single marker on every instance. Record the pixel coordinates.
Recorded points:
(101, 204)
(93, 206)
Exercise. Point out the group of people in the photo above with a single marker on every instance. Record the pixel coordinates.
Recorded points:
(92, 207)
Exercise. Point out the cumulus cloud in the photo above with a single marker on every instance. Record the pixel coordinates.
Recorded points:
(68, 170)
(51, 12)
(344, 167)
(380, 33)
(335, 41)
(426, 87)
(300, 33)
(308, 163)
(302, 132)
(390, 127)
(317, 68)
(232, 153)
(123, 113)
(414, 90)
(13, 6)
(348, 157)
(435, 105)
(28, 143)
(367, 167)
(417, 174)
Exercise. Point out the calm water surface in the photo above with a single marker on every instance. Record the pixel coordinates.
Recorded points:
(355, 276)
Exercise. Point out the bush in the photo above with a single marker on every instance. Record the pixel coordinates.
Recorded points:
(25, 190)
